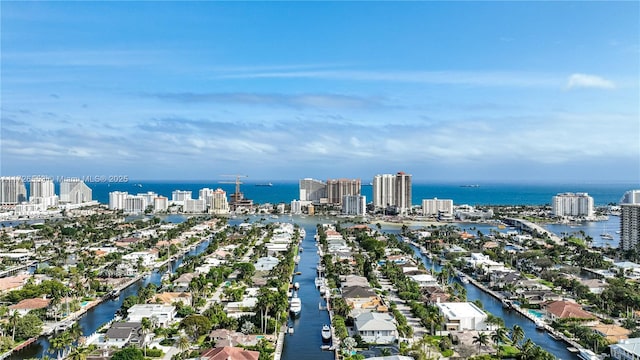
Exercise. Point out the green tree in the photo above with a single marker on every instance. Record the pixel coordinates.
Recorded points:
(27, 327)
(129, 353)
(195, 325)
(183, 343)
(481, 339)
(79, 353)
(147, 326)
(517, 334)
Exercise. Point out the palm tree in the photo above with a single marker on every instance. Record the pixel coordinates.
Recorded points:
(75, 331)
(528, 351)
(14, 316)
(60, 344)
(498, 336)
(183, 343)
(146, 327)
(79, 353)
(517, 334)
(481, 339)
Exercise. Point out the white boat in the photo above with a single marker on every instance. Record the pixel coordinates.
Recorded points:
(507, 304)
(296, 285)
(323, 290)
(539, 324)
(587, 354)
(463, 279)
(606, 236)
(295, 306)
(319, 281)
(326, 333)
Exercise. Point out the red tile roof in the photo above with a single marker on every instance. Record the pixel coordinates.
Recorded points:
(229, 353)
(567, 310)
(31, 304)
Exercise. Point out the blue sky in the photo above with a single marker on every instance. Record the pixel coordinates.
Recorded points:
(446, 91)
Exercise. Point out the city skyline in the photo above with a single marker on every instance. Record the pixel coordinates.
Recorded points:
(455, 92)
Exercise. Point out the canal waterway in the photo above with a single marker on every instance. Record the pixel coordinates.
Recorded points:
(510, 317)
(104, 312)
(306, 339)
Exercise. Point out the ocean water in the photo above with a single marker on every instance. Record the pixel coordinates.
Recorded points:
(484, 194)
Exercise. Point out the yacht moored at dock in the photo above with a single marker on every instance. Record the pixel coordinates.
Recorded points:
(326, 333)
(295, 306)
(587, 354)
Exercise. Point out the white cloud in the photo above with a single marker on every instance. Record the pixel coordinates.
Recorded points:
(589, 81)
(469, 78)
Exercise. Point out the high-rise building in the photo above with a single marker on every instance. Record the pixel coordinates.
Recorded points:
(41, 187)
(437, 206)
(74, 191)
(12, 190)
(149, 197)
(312, 190)
(134, 204)
(384, 190)
(117, 200)
(218, 203)
(339, 188)
(296, 207)
(403, 192)
(194, 206)
(180, 195)
(160, 203)
(391, 190)
(205, 194)
(572, 204)
(354, 205)
(630, 220)
(42, 191)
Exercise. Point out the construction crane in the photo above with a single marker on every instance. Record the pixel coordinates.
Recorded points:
(237, 182)
(237, 197)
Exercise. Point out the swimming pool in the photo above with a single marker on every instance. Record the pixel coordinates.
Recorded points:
(537, 313)
(84, 303)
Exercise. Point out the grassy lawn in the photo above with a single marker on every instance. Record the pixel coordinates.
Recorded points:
(508, 351)
(546, 283)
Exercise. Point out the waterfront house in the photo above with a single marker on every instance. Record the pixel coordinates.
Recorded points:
(354, 280)
(226, 337)
(145, 258)
(163, 314)
(628, 349)
(462, 316)
(500, 279)
(229, 353)
(481, 261)
(425, 280)
(26, 305)
(182, 282)
(122, 334)
(434, 294)
(613, 333)
(596, 286)
(376, 328)
(17, 256)
(237, 309)
(11, 283)
(539, 297)
(360, 297)
(266, 263)
(169, 298)
(567, 310)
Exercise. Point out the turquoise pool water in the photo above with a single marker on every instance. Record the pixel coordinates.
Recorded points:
(84, 303)
(536, 313)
